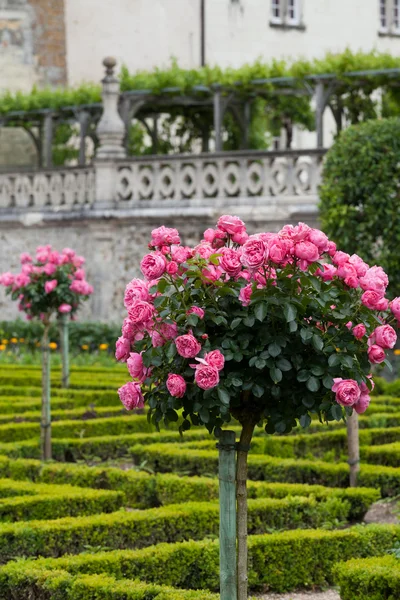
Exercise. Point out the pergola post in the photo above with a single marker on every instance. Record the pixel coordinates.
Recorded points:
(319, 113)
(218, 119)
(47, 143)
(83, 119)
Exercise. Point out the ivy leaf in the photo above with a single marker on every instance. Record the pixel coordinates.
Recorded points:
(290, 312)
(261, 311)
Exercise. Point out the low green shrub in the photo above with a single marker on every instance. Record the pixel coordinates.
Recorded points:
(172, 523)
(41, 501)
(10, 395)
(86, 380)
(278, 561)
(82, 414)
(372, 578)
(60, 585)
(386, 454)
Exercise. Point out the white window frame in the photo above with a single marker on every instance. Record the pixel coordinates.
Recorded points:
(277, 5)
(389, 11)
(285, 7)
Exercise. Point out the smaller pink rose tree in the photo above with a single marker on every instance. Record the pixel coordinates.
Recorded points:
(270, 328)
(50, 284)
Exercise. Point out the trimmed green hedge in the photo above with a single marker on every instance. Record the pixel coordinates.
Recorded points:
(372, 578)
(41, 501)
(387, 454)
(60, 585)
(82, 414)
(164, 458)
(173, 523)
(279, 561)
(10, 395)
(88, 380)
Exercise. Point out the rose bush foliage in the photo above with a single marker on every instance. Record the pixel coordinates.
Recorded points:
(271, 327)
(49, 283)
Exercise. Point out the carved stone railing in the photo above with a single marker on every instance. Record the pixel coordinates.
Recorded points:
(221, 175)
(48, 190)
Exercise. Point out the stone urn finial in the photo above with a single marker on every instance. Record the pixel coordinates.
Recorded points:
(111, 128)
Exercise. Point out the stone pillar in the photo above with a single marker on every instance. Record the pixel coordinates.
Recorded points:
(111, 128)
(111, 132)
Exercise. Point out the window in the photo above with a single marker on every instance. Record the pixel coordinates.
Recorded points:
(286, 13)
(389, 17)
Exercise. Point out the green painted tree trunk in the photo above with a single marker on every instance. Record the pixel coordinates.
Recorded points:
(46, 414)
(227, 515)
(64, 338)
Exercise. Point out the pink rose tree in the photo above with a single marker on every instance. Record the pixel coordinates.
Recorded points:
(50, 284)
(272, 328)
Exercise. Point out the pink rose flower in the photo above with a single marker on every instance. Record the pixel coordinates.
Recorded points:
(230, 261)
(216, 359)
(6, 279)
(240, 238)
(331, 248)
(153, 265)
(122, 349)
(278, 250)
(375, 279)
(206, 377)
(360, 266)
(187, 346)
(384, 336)
(176, 385)
(49, 269)
(359, 331)
(136, 368)
(320, 239)
(21, 280)
(376, 354)
(64, 308)
(306, 251)
(137, 289)
(328, 273)
(361, 406)
(172, 268)
(245, 294)
(347, 391)
(254, 254)
(164, 236)
(340, 258)
(296, 233)
(204, 250)
(395, 307)
(231, 225)
(131, 395)
(196, 310)
(180, 254)
(51, 285)
(372, 299)
(25, 258)
(141, 312)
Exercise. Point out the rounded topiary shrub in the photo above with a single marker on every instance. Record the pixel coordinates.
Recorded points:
(360, 194)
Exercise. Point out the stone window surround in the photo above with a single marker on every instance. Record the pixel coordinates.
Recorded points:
(284, 21)
(387, 9)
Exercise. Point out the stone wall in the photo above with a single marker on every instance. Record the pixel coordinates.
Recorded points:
(113, 249)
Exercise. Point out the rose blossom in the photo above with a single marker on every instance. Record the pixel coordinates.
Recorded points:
(6, 279)
(277, 250)
(296, 233)
(153, 265)
(395, 307)
(64, 308)
(231, 225)
(384, 336)
(136, 367)
(347, 391)
(122, 349)
(196, 310)
(340, 258)
(374, 300)
(359, 331)
(376, 354)
(245, 294)
(164, 236)
(176, 385)
(230, 261)
(180, 254)
(206, 377)
(172, 268)
(141, 312)
(361, 406)
(319, 238)
(254, 254)
(328, 273)
(131, 395)
(49, 286)
(360, 266)
(187, 346)
(25, 258)
(375, 279)
(137, 289)
(306, 251)
(216, 359)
